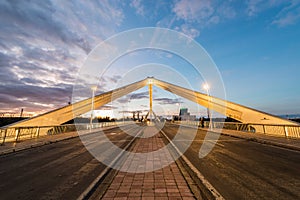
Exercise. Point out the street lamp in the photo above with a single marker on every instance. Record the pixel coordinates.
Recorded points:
(123, 114)
(206, 87)
(93, 88)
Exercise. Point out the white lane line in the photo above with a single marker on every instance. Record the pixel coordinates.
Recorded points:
(205, 182)
(215, 142)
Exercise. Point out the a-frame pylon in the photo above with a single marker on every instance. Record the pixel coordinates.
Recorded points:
(150, 113)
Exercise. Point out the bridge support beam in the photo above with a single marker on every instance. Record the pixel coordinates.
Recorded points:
(238, 112)
(64, 114)
(150, 98)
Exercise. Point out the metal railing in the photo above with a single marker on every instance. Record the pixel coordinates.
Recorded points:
(288, 131)
(17, 134)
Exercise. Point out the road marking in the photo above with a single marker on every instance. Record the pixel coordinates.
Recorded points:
(215, 142)
(211, 189)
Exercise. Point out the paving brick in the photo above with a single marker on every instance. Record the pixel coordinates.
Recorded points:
(109, 195)
(107, 198)
(188, 198)
(120, 198)
(122, 194)
(147, 198)
(160, 190)
(175, 198)
(164, 183)
(186, 194)
(161, 198)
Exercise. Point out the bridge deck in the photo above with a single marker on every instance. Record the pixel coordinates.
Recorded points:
(258, 170)
(289, 143)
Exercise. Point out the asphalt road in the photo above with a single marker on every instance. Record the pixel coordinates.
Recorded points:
(61, 170)
(237, 168)
(241, 169)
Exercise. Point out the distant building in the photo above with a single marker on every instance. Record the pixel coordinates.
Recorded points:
(184, 115)
(183, 111)
(14, 115)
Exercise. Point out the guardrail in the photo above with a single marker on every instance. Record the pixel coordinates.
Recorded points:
(288, 131)
(17, 134)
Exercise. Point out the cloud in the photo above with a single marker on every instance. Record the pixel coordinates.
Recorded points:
(164, 101)
(188, 30)
(25, 96)
(289, 15)
(140, 95)
(107, 107)
(112, 79)
(204, 12)
(137, 5)
(254, 6)
(288, 19)
(134, 96)
(193, 10)
(42, 46)
(198, 14)
(289, 11)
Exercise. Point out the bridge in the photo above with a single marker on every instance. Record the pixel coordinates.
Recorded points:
(230, 109)
(257, 158)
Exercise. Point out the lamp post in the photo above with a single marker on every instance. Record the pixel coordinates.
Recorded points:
(206, 87)
(123, 114)
(93, 88)
(179, 105)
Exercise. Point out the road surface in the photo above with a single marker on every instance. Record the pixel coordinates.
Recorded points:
(61, 170)
(241, 169)
(237, 168)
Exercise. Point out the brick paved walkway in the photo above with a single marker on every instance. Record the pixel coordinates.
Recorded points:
(163, 183)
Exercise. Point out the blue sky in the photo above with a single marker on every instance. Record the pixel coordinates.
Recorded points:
(255, 45)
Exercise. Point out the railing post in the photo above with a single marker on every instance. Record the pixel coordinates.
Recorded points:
(17, 132)
(286, 131)
(31, 132)
(3, 141)
(38, 132)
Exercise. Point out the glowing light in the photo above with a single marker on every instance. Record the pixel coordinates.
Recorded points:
(94, 88)
(205, 86)
(150, 81)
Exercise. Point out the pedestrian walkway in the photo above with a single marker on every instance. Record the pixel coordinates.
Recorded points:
(289, 143)
(165, 182)
(9, 147)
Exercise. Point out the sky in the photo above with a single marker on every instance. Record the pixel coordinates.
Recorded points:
(254, 44)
